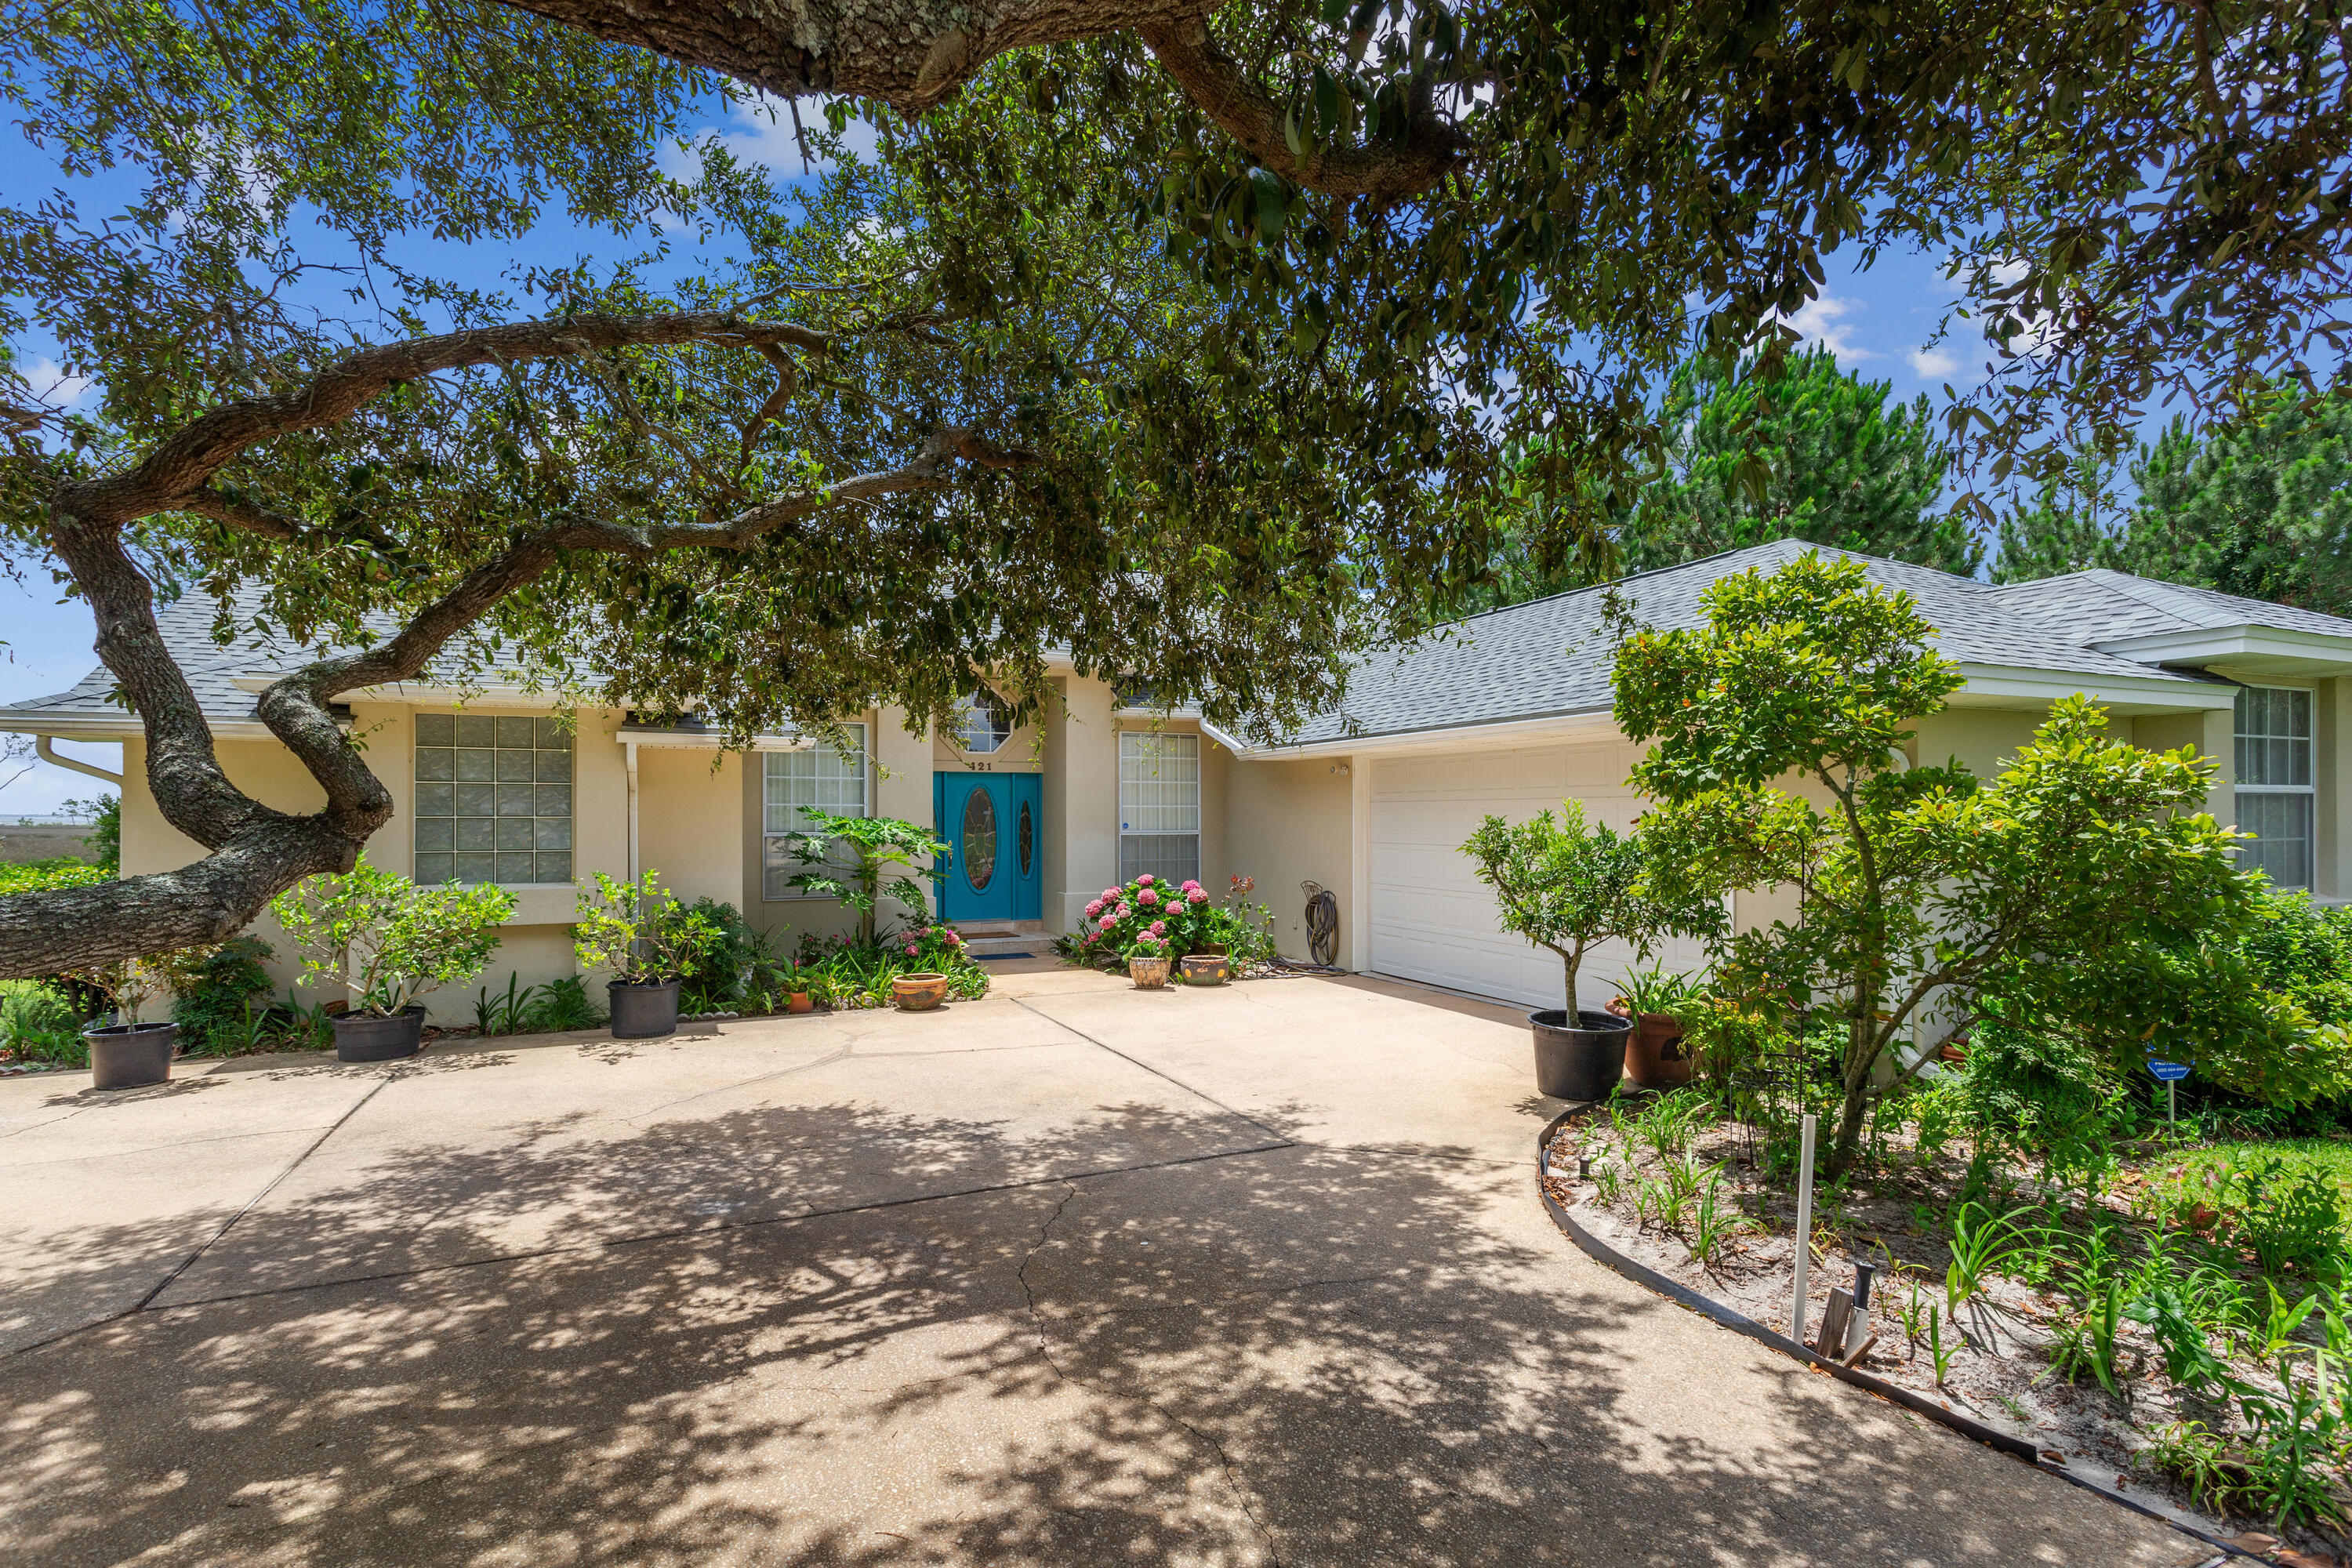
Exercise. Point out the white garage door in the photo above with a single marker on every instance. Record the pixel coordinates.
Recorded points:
(1434, 921)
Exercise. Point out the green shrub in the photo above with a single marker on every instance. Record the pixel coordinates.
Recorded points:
(38, 1022)
(45, 876)
(105, 838)
(214, 1010)
(730, 961)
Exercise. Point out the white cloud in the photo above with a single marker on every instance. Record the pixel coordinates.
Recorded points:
(760, 131)
(50, 383)
(1933, 364)
(1822, 323)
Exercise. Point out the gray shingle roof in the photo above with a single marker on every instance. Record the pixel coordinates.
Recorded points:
(212, 670)
(2140, 606)
(1550, 658)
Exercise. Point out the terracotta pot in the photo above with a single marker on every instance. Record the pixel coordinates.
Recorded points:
(1206, 968)
(799, 1002)
(131, 1056)
(918, 993)
(1149, 973)
(1655, 1056)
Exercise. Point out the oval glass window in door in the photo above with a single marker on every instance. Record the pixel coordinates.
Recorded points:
(1025, 839)
(978, 840)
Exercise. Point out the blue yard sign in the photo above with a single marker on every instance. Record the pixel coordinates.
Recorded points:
(2168, 1072)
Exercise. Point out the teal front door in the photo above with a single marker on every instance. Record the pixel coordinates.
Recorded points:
(991, 822)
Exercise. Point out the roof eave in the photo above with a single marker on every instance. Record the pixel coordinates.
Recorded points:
(2277, 649)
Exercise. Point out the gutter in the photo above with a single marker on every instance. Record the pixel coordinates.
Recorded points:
(43, 749)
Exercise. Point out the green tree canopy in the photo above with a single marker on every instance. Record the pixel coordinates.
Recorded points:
(2261, 507)
(1809, 452)
(1780, 731)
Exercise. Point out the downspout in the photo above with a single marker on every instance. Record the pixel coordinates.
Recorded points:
(629, 748)
(48, 753)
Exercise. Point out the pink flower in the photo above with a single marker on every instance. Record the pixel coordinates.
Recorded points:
(953, 940)
(1093, 909)
(1198, 895)
(1159, 928)
(1144, 881)
(910, 947)
(1147, 897)
(1191, 887)
(1108, 922)
(1110, 895)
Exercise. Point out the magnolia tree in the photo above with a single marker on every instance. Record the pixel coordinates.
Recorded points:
(1568, 886)
(1778, 734)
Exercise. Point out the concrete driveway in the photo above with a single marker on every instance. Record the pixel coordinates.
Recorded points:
(1074, 1275)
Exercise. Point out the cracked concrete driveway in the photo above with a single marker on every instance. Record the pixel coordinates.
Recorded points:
(1074, 1275)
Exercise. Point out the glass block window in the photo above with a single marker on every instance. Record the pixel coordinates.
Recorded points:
(1158, 806)
(2276, 788)
(822, 777)
(493, 799)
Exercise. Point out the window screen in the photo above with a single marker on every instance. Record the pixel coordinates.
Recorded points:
(493, 799)
(821, 777)
(1158, 806)
(2275, 780)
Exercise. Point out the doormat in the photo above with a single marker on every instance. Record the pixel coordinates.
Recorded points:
(984, 957)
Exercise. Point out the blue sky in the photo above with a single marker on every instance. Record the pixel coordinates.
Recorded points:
(1878, 321)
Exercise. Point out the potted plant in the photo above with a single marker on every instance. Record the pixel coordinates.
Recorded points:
(1654, 1055)
(1568, 886)
(919, 990)
(1147, 962)
(798, 987)
(385, 942)
(129, 1053)
(651, 943)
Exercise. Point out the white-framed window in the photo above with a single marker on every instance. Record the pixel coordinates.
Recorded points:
(793, 781)
(985, 726)
(1158, 806)
(2276, 788)
(493, 799)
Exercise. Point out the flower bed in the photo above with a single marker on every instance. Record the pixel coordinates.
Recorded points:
(1150, 918)
(2178, 1339)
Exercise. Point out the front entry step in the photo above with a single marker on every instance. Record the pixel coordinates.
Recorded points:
(983, 938)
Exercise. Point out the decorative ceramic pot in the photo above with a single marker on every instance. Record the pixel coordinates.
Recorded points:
(131, 1056)
(799, 1002)
(1579, 1060)
(918, 993)
(372, 1037)
(1205, 969)
(643, 1011)
(1655, 1056)
(1149, 973)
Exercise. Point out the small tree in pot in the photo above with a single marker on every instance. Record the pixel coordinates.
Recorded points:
(384, 942)
(1569, 884)
(129, 1053)
(650, 941)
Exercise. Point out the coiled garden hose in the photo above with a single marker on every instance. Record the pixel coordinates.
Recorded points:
(1322, 923)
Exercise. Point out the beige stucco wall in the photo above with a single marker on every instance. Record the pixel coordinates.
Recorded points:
(1286, 823)
(1081, 801)
(689, 813)
(1983, 739)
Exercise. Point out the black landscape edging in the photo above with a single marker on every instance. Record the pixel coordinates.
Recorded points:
(2016, 1448)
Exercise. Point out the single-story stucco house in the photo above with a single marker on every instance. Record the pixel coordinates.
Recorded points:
(1505, 712)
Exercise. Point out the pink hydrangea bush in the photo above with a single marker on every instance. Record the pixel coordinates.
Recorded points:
(1157, 918)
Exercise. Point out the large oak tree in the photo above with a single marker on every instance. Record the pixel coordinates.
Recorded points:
(1185, 337)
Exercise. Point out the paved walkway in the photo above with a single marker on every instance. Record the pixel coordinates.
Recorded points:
(1074, 1275)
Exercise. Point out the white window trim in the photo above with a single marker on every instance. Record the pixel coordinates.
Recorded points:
(1196, 832)
(2308, 791)
(767, 835)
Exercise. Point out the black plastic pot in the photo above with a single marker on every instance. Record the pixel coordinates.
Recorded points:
(131, 1056)
(375, 1038)
(1579, 1061)
(643, 1011)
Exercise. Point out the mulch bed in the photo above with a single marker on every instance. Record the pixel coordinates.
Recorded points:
(1998, 1373)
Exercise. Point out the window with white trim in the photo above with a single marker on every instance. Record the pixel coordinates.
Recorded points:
(1158, 806)
(2276, 792)
(493, 799)
(818, 777)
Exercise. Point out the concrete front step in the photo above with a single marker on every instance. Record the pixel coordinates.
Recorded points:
(1027, 936)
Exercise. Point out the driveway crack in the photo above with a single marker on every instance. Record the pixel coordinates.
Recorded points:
(1206, 1440)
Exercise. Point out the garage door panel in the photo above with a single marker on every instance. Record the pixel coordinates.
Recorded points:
(1433, 921)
